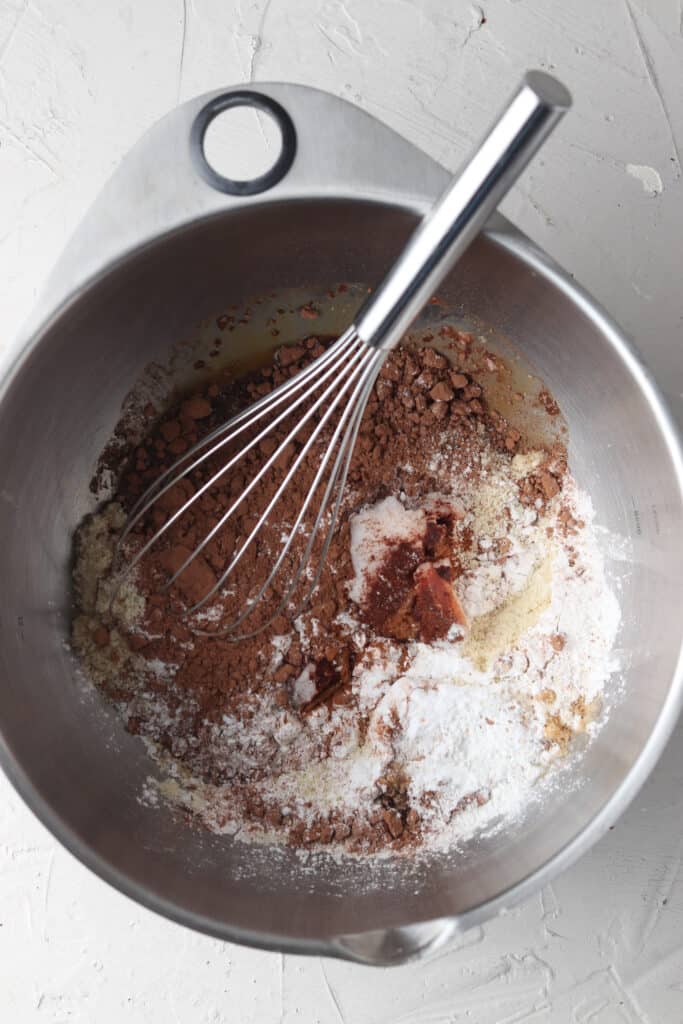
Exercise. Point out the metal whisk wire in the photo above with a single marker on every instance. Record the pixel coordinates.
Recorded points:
(359, 359)
(346, 361)
(237, 424)
(371, 364)
(350, 365)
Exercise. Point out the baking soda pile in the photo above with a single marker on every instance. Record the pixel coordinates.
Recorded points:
(460, 639)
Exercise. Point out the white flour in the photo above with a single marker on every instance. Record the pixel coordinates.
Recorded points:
(476, 723)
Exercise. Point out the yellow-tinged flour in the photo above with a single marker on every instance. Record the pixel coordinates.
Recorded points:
(498, 631)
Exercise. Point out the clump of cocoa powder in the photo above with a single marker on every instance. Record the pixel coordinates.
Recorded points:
(545, 482)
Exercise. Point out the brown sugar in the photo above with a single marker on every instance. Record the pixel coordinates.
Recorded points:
(437, 606)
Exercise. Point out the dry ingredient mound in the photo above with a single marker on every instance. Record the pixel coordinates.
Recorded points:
(459, 640)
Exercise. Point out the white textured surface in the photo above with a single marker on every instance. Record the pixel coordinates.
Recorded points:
(79, 82)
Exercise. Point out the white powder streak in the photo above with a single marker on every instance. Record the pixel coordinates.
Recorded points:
(374, 531)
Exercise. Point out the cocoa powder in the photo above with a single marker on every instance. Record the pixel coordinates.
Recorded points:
(420, 396)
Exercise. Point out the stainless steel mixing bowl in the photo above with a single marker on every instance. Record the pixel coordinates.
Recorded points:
(167, 242)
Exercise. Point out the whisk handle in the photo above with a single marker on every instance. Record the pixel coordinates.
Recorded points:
(461, 212)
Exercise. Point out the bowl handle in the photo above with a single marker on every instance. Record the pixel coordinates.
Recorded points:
(330, 148)
(257, 101)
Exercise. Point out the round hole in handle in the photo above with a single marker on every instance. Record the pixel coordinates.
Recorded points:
(215, 173)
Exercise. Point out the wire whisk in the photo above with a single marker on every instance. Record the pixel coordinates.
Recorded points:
(332, 392)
